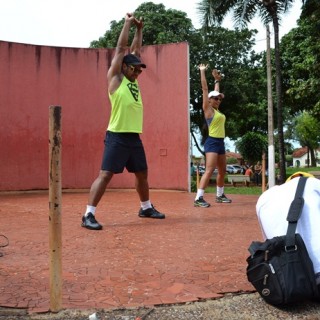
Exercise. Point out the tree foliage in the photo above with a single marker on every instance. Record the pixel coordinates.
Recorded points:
(308, 133)
(301, 62)
(243, 11)
(252, 145)
(161, 26)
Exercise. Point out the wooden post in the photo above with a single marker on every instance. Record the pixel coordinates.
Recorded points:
(198, 178)
(263, 172)
(55, 234)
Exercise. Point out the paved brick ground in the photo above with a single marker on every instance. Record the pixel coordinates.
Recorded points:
(193, 254)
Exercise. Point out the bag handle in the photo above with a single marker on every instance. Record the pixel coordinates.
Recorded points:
(294, 214)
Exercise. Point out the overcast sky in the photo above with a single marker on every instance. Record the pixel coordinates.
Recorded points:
(75, 23)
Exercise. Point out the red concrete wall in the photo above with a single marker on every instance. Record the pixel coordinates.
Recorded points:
(34, 77)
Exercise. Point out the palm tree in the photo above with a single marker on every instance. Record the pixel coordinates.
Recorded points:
(213, 13)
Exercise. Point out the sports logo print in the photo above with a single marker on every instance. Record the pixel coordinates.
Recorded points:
(134, 89)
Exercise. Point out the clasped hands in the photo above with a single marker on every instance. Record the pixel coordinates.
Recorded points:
(138, 22)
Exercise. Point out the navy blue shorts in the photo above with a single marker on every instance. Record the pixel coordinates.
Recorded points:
(123, 150)
(215, 145)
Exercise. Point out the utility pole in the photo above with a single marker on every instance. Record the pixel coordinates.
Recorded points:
(271, 153)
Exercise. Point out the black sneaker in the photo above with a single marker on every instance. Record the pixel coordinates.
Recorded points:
(201, 203)
(223, 199)
(151, 213)
(90, 222)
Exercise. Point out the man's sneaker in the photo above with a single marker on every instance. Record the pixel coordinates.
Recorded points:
(90, 222)
(223, 199)
(151, 213)
(201, 203)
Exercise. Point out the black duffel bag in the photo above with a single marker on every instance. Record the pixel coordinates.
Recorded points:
(280, 268)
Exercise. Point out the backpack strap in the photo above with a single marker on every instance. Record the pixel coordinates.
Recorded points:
(294, 214)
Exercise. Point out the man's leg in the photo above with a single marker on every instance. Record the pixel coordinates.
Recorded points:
(97, 190)
(98, 187)
(142, 186)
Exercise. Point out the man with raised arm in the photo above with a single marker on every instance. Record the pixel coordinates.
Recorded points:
(123, 146)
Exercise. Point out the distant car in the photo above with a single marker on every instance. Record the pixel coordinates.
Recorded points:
(229, 169)
(203, 169)
(233, 169)
(237, 167)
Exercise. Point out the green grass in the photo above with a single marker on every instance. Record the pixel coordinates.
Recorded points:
(252, 190)
(291, 171)
(237, 190)
(229, 189)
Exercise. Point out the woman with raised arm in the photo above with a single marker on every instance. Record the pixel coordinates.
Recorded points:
(214, 145)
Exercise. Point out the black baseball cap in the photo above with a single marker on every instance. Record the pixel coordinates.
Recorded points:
(131, 59)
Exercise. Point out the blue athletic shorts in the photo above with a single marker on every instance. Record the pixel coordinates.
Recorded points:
(215, 145)
(123, 150)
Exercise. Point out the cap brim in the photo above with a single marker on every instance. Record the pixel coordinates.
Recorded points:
(215, 93)
(139, 64)
(219, 95)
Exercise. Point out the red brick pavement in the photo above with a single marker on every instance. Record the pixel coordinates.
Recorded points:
(195, 253)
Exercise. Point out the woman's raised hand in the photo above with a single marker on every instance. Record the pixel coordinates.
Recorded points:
(203, 66)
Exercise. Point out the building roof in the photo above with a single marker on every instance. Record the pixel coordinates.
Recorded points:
(298, 153)
(233, 155)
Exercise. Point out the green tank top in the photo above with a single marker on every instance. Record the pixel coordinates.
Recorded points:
(126, 108)
(216, 126)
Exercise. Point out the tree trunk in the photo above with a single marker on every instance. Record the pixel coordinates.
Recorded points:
(197, 144)
(282, 162)
(312, 157)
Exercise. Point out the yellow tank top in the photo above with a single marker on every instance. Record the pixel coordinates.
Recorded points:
(216, 126)
(126, 108)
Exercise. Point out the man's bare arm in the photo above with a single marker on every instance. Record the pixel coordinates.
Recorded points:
(137, 40)
(114, 72)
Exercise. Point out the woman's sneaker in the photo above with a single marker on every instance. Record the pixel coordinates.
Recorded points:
(201, 203)
(223, 199)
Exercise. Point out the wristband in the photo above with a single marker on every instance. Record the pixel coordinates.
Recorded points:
(216, 81)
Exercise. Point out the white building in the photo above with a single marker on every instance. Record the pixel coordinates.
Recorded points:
(301, 158)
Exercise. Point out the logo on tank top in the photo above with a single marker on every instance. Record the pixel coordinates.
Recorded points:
(134, 89)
